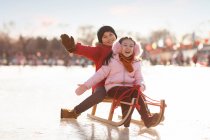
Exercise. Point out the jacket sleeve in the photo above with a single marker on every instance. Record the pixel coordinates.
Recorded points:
(139, 79)
(92, 53)
(101, 74)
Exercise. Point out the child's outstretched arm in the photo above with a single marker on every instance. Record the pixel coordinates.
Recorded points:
(92, 53)
(101, 74)
(96, 78)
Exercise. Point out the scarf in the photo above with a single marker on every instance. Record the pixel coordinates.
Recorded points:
(127, 62)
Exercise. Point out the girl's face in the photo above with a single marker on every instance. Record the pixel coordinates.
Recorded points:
(108, 38)
(127, 47)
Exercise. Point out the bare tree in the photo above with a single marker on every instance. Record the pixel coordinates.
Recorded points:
(86, 35)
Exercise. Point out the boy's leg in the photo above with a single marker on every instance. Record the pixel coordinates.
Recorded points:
(95, 98)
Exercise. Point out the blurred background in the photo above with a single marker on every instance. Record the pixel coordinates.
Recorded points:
(173, 32)
(38, 76)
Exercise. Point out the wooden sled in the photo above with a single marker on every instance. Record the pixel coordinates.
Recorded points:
(161, 104)
(111, 112)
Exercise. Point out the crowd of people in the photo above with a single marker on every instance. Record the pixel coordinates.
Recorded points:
(20, 58)
(34, 53)
(36, 59)
(53, 54)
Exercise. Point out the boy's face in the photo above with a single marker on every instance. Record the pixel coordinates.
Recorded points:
(108, 38)
(127, 47)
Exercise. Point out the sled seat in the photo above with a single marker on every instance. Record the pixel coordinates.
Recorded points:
(106, 100)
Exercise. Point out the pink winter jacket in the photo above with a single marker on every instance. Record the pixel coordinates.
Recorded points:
(116, 74)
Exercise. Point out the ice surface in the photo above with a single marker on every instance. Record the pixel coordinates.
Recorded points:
(31, 99)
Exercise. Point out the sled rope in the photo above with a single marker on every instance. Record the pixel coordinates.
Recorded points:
(152, 101)
(126, 94)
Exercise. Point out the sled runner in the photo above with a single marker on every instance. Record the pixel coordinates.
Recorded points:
(148, 101)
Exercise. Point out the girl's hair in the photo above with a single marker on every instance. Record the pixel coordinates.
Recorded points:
(109, 56)
(124, 38)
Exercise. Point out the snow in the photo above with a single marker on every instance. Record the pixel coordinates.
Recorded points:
(31, 99)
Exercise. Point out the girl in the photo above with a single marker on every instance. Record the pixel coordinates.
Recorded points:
(122, 72)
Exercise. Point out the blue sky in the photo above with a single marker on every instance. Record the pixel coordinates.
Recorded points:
(50, 18)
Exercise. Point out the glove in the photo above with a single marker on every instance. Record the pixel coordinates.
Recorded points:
(68, 43)
(81, 89)
(142, 88)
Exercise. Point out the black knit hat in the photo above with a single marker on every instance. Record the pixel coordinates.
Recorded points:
(104, 29)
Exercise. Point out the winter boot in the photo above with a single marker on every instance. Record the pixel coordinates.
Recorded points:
(66, 113)
(152, 121)
(148, 119)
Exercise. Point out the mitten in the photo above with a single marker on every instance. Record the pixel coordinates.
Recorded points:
(68, 42)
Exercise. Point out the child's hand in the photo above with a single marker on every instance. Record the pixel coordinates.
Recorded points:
(68, 42)
(81, 89)
(142, 88)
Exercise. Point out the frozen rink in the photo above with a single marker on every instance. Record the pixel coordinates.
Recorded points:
(31, 99)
